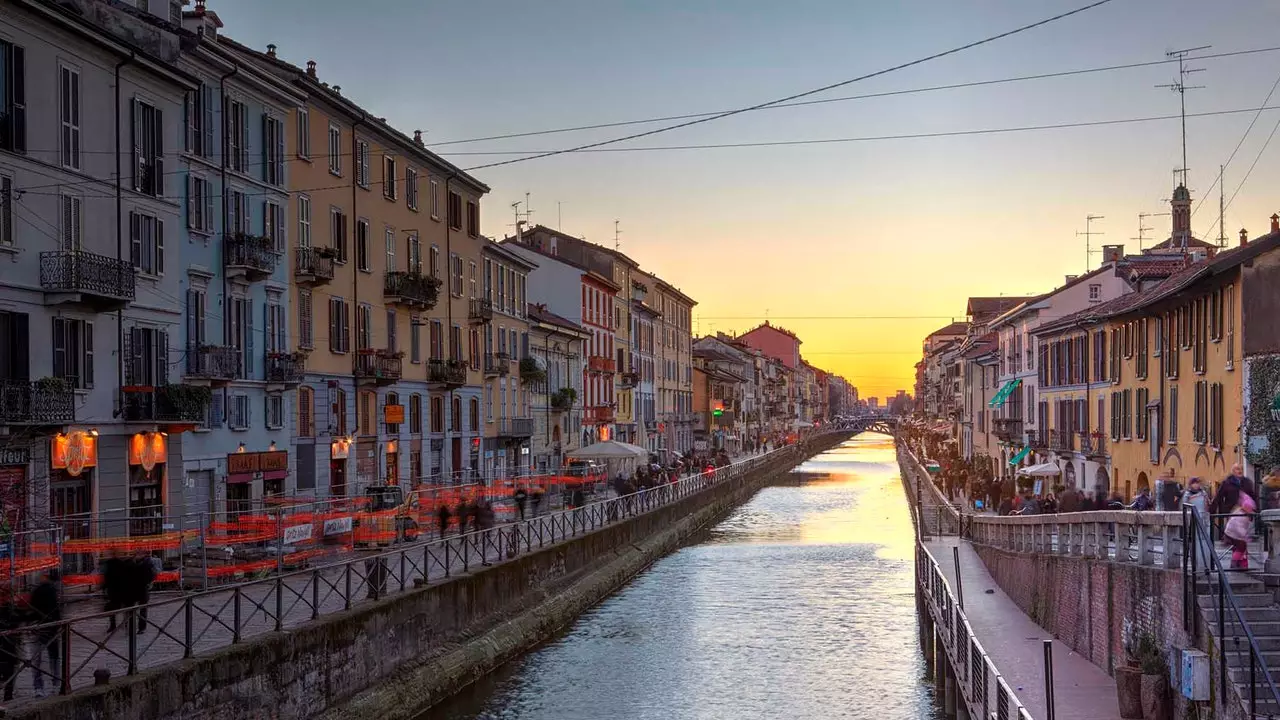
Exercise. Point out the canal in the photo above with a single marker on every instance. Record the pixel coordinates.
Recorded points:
(799, 605)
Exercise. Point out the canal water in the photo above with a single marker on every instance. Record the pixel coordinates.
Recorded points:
(799, 605)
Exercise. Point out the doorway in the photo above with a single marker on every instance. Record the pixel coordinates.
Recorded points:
(337, 478)
(456, 456)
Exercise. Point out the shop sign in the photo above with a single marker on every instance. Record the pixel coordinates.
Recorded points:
(340, 449)
(148, 450)
(337, 526)
(15, 455)
(393, 414)
(247, 463)
(74, 452)
(297, 533)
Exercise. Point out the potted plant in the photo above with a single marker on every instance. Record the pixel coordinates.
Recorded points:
(52, 384)
(1155, 679)
(326, 252)
(530, 372)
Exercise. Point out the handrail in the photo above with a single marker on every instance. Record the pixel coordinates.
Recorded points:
(1226, 595)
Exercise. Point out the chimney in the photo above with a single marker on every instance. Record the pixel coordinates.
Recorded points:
(1112, 253)
(1244, 237)
(417, 138)
(1275, 222)
(311, 69)
(271, 51)
(199, 7)
(337, 89)
(1071, 277)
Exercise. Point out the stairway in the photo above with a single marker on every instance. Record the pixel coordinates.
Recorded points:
(1258, 608)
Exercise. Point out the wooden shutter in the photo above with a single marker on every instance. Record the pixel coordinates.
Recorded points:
(87, 348)
(157, 153)
(162, 357)
(59, 347)
(207, 127)
(135, 141)
(335, 327)
(159, 237)
(248, 337)
(18, 99)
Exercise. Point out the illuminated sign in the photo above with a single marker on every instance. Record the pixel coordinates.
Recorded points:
(393, 414)
(148, 450)
(74, 452)
(253, 462)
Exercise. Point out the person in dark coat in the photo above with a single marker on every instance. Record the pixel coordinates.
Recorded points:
(463, 513)
(144, 576)
(115, 586)
(46, 607)
(442, 516)
(10, 648)
(521, 497)
(538, 495)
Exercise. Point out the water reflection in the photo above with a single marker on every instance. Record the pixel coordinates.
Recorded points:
(799, 605)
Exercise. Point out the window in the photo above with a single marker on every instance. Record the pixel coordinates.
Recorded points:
(199, 204)
(362, 244)
(1127, 405)
(146, 242)
(437, 414)
(306, 327)
(391, 399)
(6, 211)
(390, 239)
(362, 163)
(391, 330)
(337, 411)
(364, 326)
(238, 215)
(199, 111)
(338, 234)
(72, 222)
(73, 351)
(1140, 426)
(304, 221)
(13, 102)
(415, 413)
(473, 219)
(455, 274)
(415, 339)
(455, 414)
(472, 276)
(1095, 292)
(1173, 414)
(474, 347)
(335, 150)
(239, 416)
(366, 406)
(1198, 413)
(435, 200)
(273, 223)
(437, 340)
(148, 148)
(235, 116)
(475, 415)
(70, 82)
(276, 326)
(306, 412)
(241, 310)
(455, 343)
(414, 247)
(304, 134)
(455, 211)
(275, 411)
(411, 188)
(273, 150)
(434, 266)
(339, 326)
(1141, 349)
(389, 177)
(1231, 326)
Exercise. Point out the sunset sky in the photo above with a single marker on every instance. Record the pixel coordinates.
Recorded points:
(902, 228)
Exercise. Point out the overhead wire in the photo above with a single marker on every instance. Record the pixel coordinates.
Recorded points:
(797, 96)
(1236, 149)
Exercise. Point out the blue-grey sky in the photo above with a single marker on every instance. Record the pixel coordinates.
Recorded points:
(904, 227)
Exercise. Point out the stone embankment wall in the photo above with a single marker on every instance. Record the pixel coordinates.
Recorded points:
(394, 658)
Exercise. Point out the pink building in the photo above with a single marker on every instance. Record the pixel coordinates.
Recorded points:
(774, 342)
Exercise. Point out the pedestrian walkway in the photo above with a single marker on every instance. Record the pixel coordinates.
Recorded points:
(1015, 643)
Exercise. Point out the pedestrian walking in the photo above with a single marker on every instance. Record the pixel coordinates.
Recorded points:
(538, 496)
(115, 586)
(1198, 500)
(463, 512)
(1239, 526)
(521, 497)
(1069, 500)
(144, 577)
(1143, 501)
(10, 648)
(46, 607)
(442, 516)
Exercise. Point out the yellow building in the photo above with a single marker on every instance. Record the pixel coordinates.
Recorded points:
(508, 419)
(385, 257)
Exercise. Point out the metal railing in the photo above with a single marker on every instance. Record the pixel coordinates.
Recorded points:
(202, 622)
(411, 288)
(978, 682)
(1093, 443)
(497, 364)
(449, 372)
(312, 265)
(24, 402)
(380, 366)
(167, 403)
(86, 272)
(1201, 563)
(284, 367)
(515, 427)
(214, 362)
(253, 253)
(480, 310)
(1062, 440)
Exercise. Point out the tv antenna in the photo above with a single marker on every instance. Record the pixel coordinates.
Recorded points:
(1222, 208)
(1142, 229)
(1088, 234)
(1181, 87)
(617, 233)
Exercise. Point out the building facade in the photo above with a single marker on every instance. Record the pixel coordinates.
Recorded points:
(508, 419)
(556, 345)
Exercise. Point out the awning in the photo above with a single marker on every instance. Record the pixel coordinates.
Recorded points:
(240, 477)
(1004, 393)
(1048, 469)
(1021, 454)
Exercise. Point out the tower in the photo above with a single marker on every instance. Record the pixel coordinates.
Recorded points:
(1180, 205)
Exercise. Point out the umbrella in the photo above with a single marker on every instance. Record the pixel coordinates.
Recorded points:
(1048, 469)
(610, 450)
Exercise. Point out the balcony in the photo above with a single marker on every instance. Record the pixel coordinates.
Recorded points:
(312, 266)
(497, 365)
(83, 278)
(212, 364)
(184, 404)
(1093, 445)
(1062, 440)
(252, 257)
(377, 366)
(515, 427)
(286, 368)
(481, 310)
(597, 415)
(629, 379)
(411, 289)
(50, 401)
(562, 400)
(1008, 429)
(599, 363)
(451, 373)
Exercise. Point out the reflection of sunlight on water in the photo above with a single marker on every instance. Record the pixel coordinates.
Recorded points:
(798, 605)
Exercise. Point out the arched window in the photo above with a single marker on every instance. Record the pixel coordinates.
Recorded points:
(415, 413)
(455, 414)
(475, 414)
(306, 412)
(437, 414)
(366, 409)
(391, 399)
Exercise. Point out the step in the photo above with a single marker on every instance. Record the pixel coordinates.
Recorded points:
(1264, 631)
(1243, 599)
(1239, 583)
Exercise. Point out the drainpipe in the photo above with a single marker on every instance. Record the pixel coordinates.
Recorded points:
(119, 239)
(226, 160)
(355, 281)
(448, 309)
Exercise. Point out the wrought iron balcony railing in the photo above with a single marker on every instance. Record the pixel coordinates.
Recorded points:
(106, 280)
(515, 427)
(43, 402)
(1093, 444)
(597, 414)
(411, 288)
(497, 364)
(1062, 440)
(448, 372)
(1008, 429)
(253, 256)
(213, 362)
(168, 403)
(382, 367)
(481, 310)
(287, 368)
(312, 266)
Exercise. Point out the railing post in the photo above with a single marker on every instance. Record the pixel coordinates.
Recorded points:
(279, 603)
(235, 628)
(315, 594)
(131, 626)
(1169, 533)
(346, 568)
(187, 630)
(1144, 549)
